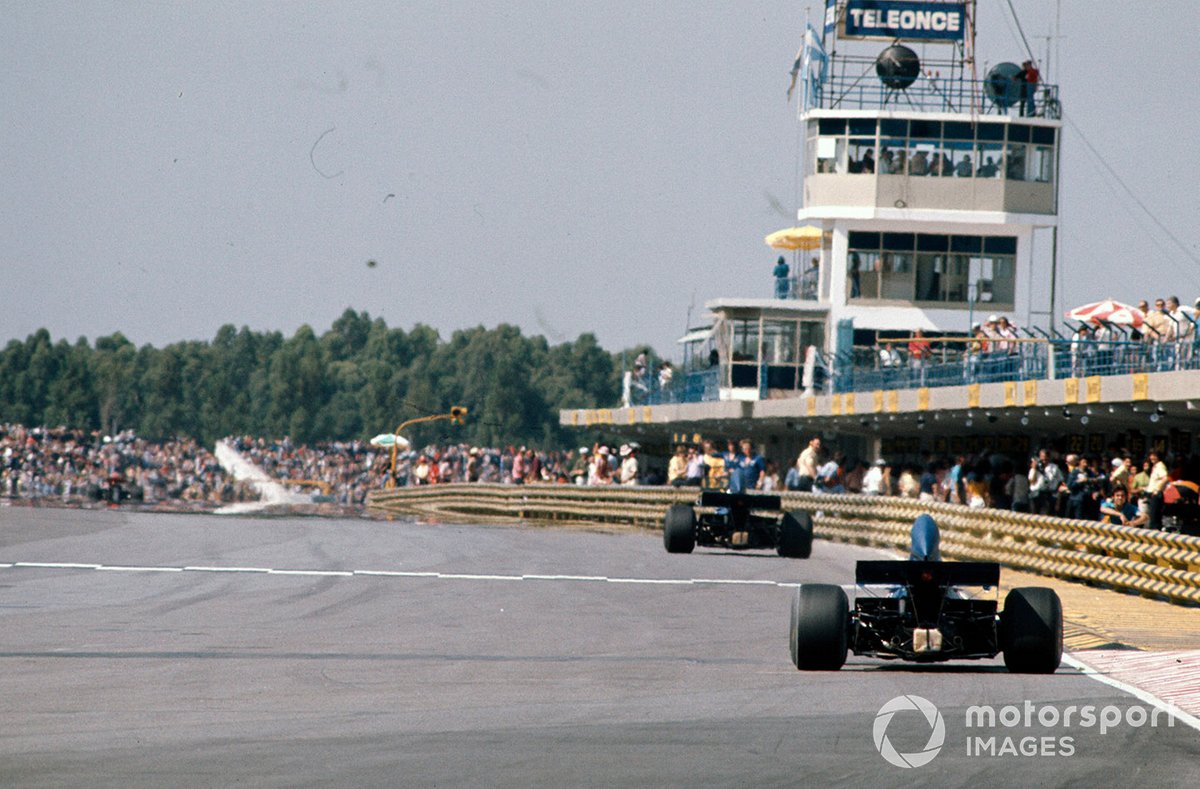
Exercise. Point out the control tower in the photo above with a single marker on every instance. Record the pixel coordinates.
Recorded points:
(925, 182)
(927, 177)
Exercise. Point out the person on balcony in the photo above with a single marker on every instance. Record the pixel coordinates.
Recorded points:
(808, 282)
(1029, 83)
(919, 354)
(781, 272)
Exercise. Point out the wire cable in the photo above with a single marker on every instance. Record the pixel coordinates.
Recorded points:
(1132, 196)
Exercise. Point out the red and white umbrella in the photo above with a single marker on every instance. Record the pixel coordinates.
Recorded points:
(1108, 311)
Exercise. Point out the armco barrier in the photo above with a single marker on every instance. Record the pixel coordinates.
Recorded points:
(1138, 560)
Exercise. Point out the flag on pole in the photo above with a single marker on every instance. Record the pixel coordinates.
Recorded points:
(813, 63)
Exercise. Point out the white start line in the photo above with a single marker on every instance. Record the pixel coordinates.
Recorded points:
(401, 574)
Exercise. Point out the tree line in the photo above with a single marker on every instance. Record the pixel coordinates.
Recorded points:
(357, 379)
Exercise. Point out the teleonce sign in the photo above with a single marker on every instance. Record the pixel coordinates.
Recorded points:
(906, 19)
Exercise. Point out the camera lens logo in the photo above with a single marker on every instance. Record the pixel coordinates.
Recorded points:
(937, 734)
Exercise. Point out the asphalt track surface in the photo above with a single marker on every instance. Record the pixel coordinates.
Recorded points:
(405, 654)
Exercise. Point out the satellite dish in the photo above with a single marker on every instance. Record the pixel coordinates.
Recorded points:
(898, 67)
(1004, 83)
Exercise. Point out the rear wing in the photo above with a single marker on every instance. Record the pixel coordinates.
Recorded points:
(917, 573)
(715, 498)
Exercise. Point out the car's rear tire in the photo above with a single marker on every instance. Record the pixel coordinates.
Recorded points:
(820, 623)
(679, 529)
(1031, 630)
(795, 535)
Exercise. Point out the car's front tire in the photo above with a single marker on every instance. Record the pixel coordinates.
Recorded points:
(819, 633)
(1031, 630)
(795, 535)
(679, 529)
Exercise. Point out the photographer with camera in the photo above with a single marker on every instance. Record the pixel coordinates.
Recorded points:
(1045, 478)
(1081, 491)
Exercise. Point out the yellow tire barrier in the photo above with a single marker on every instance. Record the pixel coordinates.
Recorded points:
(1137, 560)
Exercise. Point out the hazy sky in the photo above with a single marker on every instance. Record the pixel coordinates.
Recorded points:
(565, 166)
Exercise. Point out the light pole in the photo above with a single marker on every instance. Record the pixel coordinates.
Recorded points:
(457, 415)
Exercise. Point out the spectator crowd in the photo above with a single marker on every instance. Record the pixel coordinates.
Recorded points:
(73, 466)
(1114, 487)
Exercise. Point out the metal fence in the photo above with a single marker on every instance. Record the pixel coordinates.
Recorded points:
(866, 369)
(1025, 360)
(851, 91)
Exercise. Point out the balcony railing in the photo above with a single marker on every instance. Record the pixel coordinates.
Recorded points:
(930, 94)
(864, 369)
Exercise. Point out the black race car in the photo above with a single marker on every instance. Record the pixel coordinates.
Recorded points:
(925, 615)
(738, 521)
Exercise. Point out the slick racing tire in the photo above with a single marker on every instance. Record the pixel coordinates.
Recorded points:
(679, 529)
(820, 620)
(795, 535)
(1031, 630)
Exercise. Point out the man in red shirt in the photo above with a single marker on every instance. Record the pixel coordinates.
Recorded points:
(1030, 75)
(919, 354)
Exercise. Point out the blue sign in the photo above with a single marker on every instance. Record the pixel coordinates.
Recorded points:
(906, 19)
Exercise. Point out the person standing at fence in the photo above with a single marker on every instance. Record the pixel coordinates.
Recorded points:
(875, 482)
(1081, 342)
(770, 479)
(677, 468)
(1045, 479)
(751, 465)
(629, 465)
(1122, 473)
(919, 354)
(1029, 81)
(714, 467)
(1154, 489)
(1117, 509)
(1019, 492)
(807, 464)
(695, 468)
(1185, 329)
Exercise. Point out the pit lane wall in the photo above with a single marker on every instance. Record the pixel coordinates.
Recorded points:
(1154, 564)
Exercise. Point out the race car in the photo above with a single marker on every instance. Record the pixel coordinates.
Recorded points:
(924, 614)
(738, 521)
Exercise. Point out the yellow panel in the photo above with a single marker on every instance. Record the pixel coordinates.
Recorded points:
(848, 405)
(923, 399)
(893, 401)
(1093, 389)
(1071, 390)
(1031, 393)
(835, 405)
(1141, 386)
(1010, 393)
(878, 400)
(810, 408)
(646, 413)
(973, 396)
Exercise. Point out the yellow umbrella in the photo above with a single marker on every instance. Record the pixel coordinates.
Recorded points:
(807, 237)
